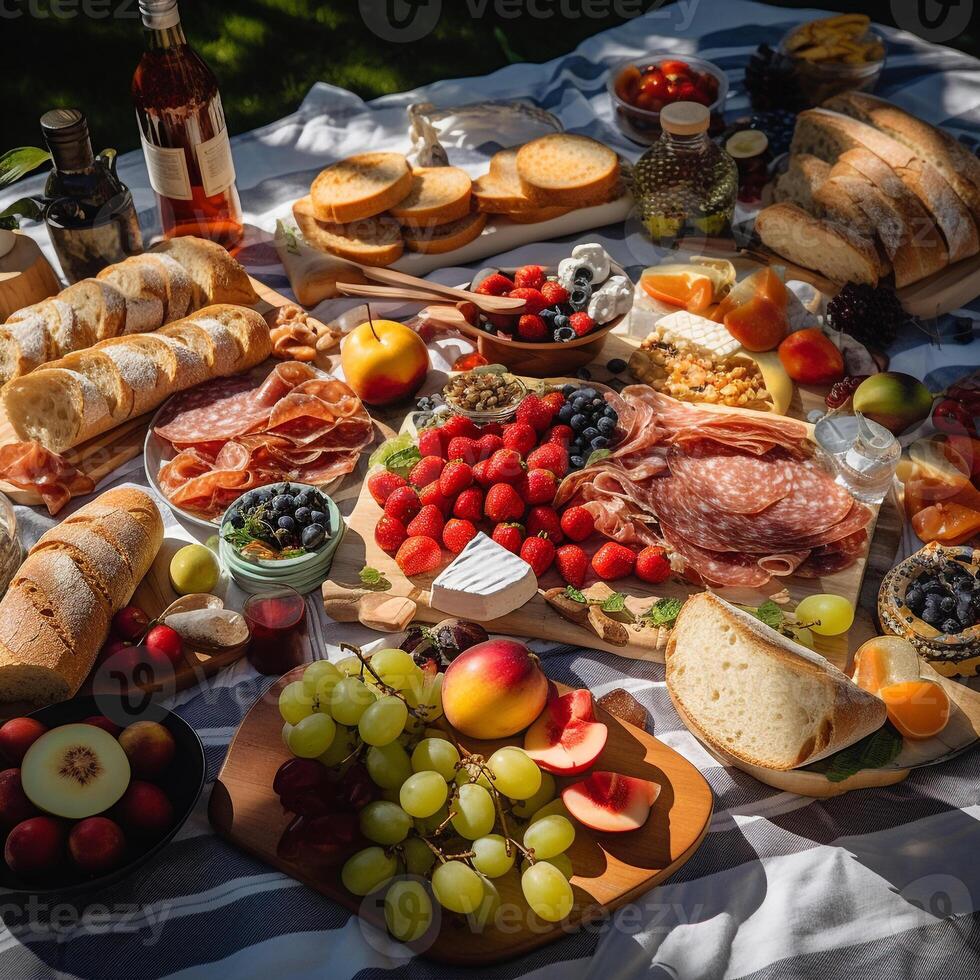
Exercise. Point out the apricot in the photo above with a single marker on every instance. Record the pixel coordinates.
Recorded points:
(810, 357)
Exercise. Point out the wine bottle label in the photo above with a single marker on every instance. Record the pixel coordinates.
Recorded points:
(215, 163)
(168, 172)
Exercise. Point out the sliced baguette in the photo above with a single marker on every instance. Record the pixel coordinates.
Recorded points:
(566, 170)
(752, 693)
(98, 305)
(438, 196)
(144, 290)
(446, 238)
(802, 179)
(102, 372)
(372, 241)
(360, 187)
(216, 276)
(814, 243)
(178, 287)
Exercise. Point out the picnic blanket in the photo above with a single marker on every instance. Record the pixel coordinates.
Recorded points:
(881, 883)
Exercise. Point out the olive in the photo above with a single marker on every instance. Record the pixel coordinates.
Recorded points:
(313, 536)
(282, 503)
(302, 516)
(318, 517)
(286, 523)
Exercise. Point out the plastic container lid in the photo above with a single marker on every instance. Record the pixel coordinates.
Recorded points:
(685, 118)
(746, 144)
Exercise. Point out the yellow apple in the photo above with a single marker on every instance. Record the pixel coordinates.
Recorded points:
(384, 361)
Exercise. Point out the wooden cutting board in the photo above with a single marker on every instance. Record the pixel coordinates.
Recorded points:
(610, 869)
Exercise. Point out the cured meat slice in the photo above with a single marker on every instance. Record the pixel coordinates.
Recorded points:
(834, 557)
(717, 567)
(785, 563)
(30, 466)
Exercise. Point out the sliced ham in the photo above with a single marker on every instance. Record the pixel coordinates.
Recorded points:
(30, 466)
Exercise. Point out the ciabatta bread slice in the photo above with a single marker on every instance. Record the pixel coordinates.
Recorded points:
(438, 196)
(752, 693)
(566, 170)
(813, 243)
(372, 241)
(446, 238)
(360, 187)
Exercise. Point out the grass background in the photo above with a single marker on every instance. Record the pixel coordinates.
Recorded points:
(267, 54)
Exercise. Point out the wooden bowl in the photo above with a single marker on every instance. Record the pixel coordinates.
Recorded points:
(543, 360)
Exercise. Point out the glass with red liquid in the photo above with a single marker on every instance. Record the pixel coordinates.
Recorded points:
(277, 620)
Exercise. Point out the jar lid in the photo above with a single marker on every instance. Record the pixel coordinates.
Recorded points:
(746, 143)
(684, 118)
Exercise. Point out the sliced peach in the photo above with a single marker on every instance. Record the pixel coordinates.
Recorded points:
(610, 802)
(566, 739)
(918, 709)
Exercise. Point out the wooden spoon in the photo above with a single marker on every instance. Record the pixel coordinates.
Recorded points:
(424, 294)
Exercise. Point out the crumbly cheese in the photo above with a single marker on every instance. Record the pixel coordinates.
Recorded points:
(689, 331)
(484, 581)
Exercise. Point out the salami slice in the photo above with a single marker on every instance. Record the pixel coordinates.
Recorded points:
(717, 567)
(834, 557)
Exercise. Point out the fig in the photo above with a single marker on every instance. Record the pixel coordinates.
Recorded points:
(896, 401)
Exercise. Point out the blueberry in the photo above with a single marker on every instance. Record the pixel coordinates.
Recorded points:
(588, 393)
(568, 390)
(950, 626)
(576, 462)
(302, 516)
(564, 334)
(234, 518)
(318, 517)
(589, 433)
(599, 442)
(579, 403)
(947, 603)
(548, 313)
(257, 497)
(578, 422)
(565, 413)
(616, 366)
(932, 616)
(611, 412)
(606, 426)
(584, 373)
(282, 503)
(313, 536)
(286, 523)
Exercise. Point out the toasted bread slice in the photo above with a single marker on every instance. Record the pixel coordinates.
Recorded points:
(565, 170)
(438, 196)
(446, 238)
(751, 692)
(533, 216)
(360, 187)
(494, 196)
(372, 241)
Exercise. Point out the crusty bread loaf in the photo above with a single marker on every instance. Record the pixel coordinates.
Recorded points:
(99, 306)
(145, 290)
(446, 238)
(566, 170)
(438, 196)
(360, 186)
(752, 693)
(62, 406)
(215, 275)
(803, 177)
(371, 241)
(814, 243)
(56, 613)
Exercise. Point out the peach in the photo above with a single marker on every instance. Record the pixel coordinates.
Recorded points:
(14, 804)
(566, 739)
(384, 361)
(810, 357)
(17, 736)
(494, 689)
(106, 724)
(97, 845)
(35, 847)
(610, 802)
(149, 746)
(145, 809)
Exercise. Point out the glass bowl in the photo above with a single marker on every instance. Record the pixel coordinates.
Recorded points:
(502, 414)
(643, 125)
(819, 80)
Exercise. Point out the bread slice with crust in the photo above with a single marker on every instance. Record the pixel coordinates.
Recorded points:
(803, 177)
(566, 170)
(215, 275)
(752, 693)
(360, 187)
(446, 238)
(372, 241)
(438, 196)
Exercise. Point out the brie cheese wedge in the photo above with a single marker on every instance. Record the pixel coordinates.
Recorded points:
(485, 581)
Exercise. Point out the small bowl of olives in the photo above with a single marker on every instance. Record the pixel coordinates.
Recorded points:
(285, 533)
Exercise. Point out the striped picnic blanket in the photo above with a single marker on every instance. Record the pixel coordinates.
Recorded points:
(874, 884)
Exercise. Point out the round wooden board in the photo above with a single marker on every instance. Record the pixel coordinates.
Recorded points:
(611, 869)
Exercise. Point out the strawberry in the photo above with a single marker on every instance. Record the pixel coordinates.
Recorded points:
(504, 322)
(459, 425)
(469, 504)
(509, 536)
(521, 485)
(542, 485)
(560, 434)
(520, 437)
(496, 284)
(434, 496)
(457, 534)
(418, 555)
(613, 561)
(577, 523)
(581, 323)
(549, 456)
(481, 473)
(529, 277)
(463, 447)
(505, 466)
(456, 477)
(492, 429)
(432, 443)
(539, 553)
(389, 533)
(503, 503)
(573, 564)
(534, 302)
(427, 522)
(653, 565)
(531, 327)
(534, 412)
(426, 470)
(544, 520)
(488, 444)
(403, 503)
(554, 293)
(381, 485)
(554, 400)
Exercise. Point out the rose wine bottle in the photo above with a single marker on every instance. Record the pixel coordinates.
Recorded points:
(182, 128)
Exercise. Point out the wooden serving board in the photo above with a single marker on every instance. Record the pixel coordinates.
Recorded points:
(610, 869)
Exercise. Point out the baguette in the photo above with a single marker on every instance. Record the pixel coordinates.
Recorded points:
(215, 275)
(56, 613)
(99, 306)
(360, 187)
(565, 170)
(438, 196)
(750, 692)
(62, 406)
(372, 241)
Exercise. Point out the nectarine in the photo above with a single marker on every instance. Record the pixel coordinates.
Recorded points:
(607, 801)
(384, 361)
(97, 845)
(17, 736)
(566, 738)
(35, 846)
(149, 746)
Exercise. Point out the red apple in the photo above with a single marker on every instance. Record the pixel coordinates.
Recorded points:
(14, 804)
(610, 802)
(145, 809)
(164, 645)
(149, 746)
(97, 845)
(566, 738)
(494, 689)
(17, 736)
(130, 623)
(35, 846)
(106, 724)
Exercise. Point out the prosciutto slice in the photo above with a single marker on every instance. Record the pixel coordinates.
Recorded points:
(29, 466)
